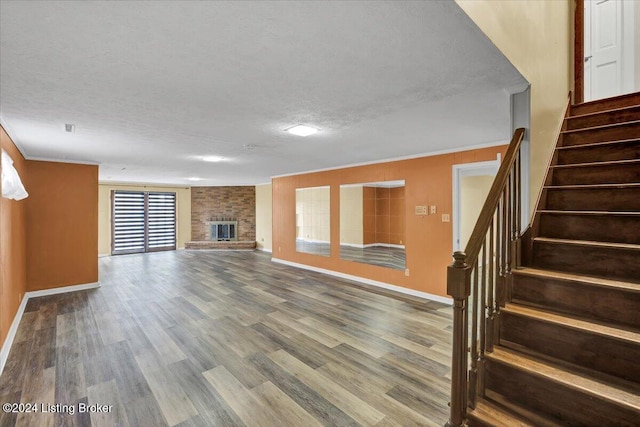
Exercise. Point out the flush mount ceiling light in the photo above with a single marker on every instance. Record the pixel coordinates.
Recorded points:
(193, 178)
(213, 158)
(69, 127)
(302, 130)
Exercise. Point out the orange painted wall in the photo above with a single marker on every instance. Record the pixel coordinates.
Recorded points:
(62, 223)
(428, 240)
(383, 215)
(13, 255)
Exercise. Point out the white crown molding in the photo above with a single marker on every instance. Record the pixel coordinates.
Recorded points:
(396, 159)
(144, 184)
(8, 342)
(71, 161)
(395, 288)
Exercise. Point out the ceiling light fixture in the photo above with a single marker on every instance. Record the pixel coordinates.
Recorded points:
(213, 158)
(302, 130)
(69, 127)
(193, 178)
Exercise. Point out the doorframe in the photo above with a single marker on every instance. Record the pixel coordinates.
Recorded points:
(578, 52)
(459, 171)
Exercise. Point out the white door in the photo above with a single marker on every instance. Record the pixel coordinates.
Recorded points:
(608, 66)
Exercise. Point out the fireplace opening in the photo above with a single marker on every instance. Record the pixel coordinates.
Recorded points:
(223, 230)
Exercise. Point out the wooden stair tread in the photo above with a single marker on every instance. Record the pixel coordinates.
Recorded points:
(599, 328)
(597, 388)
(602, 112)
(588, 243)
(600, 127)
(603, 100)
(597, 213)
(597, 144)
(587, 280)
(603, 163)
(493, 415)
(592, 186)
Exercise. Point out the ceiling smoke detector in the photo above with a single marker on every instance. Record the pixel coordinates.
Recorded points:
(70, 127)
(302, 130)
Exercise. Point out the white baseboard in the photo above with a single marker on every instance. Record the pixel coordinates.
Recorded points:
(6, 347)
(400, 289)
(8, 342)
(264, 250)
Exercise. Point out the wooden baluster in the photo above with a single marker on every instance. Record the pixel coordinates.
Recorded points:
(484, 313)
(473, 371)
(507, 236)
(518, 244)
(459, 288)
(490, 292)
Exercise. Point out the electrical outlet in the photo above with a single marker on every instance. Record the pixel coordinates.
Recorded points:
(421, 210)
(432, 209)
(406, 272)
(446, 218)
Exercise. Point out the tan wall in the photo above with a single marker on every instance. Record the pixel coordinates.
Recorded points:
(473, 193)
(13, 245)
(313, 214)
(263, 217)
(183, 213)
(369, 215)
(428, 181)
(536, 36)
(351, 215)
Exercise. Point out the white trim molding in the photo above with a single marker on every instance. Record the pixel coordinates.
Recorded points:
(8, 342)
(395, 288)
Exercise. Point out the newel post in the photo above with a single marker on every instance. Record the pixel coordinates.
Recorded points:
(459, 287)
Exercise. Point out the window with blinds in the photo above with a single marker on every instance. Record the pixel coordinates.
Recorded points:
(143, 222)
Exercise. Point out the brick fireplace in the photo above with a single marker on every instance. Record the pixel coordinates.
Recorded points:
(235, 205)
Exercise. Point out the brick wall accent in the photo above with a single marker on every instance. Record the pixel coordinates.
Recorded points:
(222, 203)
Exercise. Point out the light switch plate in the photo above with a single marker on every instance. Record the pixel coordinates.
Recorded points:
(421, 210)
(432, 209)
(446, 218)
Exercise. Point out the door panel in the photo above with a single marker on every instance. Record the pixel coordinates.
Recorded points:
(605, 48)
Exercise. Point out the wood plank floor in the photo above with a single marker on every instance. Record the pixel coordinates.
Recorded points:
(193, 338)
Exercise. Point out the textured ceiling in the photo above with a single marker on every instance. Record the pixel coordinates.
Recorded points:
(152, 87)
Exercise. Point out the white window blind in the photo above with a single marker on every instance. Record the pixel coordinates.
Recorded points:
(143, 222)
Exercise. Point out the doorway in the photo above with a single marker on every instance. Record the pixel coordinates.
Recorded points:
(607, 51)
(471, 185)
(142, 222)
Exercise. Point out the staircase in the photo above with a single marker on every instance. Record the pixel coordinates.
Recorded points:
(568, 351)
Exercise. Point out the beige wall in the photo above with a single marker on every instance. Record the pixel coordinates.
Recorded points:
(263, 217)
(351, 215)
(312, 214)
(473, 193)
(183, 213)
(536, 36)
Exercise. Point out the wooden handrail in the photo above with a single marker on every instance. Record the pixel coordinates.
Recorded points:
(487, 278)
(488, 209)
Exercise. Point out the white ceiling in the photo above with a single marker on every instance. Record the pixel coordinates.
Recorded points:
(153, 86)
